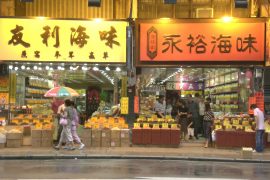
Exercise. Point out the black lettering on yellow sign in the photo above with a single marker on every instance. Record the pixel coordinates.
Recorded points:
(46, 35)
(71, 54)
(78, 36)
(171, 43)
(37, 54)
(109, 36)
(105, 55)
(91, 56)
(17, 37)
(24, 54)
(57, 54)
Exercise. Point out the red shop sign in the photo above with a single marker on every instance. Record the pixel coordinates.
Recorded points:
(202, 42)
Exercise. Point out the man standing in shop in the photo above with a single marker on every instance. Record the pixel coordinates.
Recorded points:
(259, 119)
(193, 108)
(160, 107)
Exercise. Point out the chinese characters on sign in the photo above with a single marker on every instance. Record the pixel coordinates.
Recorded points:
(185, 86)
(202, 42)
(62, 40)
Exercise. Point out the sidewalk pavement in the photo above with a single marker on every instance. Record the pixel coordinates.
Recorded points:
(186, 151)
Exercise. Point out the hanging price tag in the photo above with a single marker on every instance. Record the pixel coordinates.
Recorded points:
(236, 121)
(165, 125)
(248, 128)
(174, 126)
(145, 125)
(218, 127)
(136, 125)
(155, 126)
(228, 126)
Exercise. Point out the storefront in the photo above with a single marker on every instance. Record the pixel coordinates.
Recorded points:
(214, 59)
(88, 56)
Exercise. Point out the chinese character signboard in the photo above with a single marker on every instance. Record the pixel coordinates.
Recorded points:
(202, 42)
(124, 105)
(185, 86)
(62, 40)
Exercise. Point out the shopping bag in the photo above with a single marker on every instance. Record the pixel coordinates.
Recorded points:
(63, 121)
(213, 134)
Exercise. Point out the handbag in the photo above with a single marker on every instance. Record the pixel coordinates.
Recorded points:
(63, 121)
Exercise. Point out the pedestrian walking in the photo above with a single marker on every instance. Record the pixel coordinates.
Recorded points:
(208, 123)
(66, 117)
(260, 127)
(75, 123)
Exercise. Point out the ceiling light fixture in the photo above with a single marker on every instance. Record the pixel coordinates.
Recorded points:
(23, 67)
(118, 69)
(35, 67)
(95, 68)
(10, 67)
(107, 68)
(47, 68)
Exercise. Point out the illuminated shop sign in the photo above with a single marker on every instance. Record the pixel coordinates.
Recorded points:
(202, 42)
(62, 40)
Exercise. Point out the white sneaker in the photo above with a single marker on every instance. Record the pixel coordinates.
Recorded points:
(254, 151)
(81, 146)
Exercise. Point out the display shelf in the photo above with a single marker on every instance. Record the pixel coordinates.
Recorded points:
(221, 84)
(231, 92)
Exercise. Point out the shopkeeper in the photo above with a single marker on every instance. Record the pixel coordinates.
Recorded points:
(160, 107)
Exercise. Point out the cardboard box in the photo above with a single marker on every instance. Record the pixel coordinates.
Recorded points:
(106, 133)
(27, 141)
(36, 133)
(87, 141)
(86, 133)
(115, 134)
(47, 134)
(96, 143)
(15, 136)
(125, 143)
(14, 143)
(125, 133)
(2, 145)
(96, 134)
(106, 143)
(36, 142)
(115, 143)
(46, 142)
(27, 130)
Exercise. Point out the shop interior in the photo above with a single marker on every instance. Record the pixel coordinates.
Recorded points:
(228, 88)
(95, 84)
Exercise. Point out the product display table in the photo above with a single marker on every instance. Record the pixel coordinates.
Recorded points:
(148, 136)
(237, 139)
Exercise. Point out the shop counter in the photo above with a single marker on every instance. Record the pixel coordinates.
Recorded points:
(237, 139)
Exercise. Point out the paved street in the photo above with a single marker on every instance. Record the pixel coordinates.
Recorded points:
(130, 169)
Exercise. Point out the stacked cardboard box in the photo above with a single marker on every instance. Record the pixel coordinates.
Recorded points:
(125, 139)
(36, 135)
(106, 138)
(96, 137)
(46, 138)
(14, 139)
(115, 138)
(86, 135)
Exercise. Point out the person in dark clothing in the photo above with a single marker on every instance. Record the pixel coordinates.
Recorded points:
(208, 123)
(182, 117)
(193, 108)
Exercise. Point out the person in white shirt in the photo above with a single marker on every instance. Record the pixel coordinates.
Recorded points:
(259, 119)
(160, 107)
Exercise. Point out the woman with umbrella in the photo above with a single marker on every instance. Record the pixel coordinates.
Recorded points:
(67, 115)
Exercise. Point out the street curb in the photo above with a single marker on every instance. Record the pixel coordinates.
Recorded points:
(182, 158)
